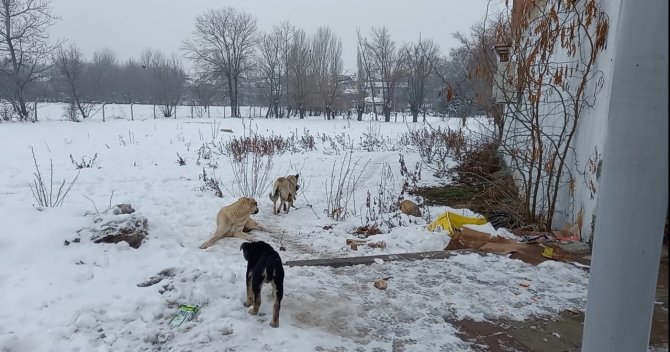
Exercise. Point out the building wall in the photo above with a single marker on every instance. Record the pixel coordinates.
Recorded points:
(579, 199)
(590, 139)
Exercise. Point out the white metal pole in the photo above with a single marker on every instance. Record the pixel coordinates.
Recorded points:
(634, 190)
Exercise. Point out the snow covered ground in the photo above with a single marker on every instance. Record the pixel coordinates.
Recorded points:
(84, 296)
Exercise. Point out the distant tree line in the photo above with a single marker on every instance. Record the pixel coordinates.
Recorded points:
(286, 69)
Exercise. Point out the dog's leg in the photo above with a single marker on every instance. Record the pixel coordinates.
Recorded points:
(244, 236)
(256, 284)
(218, 234)
(250, 295)
(253, 225)
(274, 207)
(289, 204)
(278, 294)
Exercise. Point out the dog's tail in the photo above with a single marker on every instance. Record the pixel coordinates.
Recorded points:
(274, 195)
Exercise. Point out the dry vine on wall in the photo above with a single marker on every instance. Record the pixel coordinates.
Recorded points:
(552, 69)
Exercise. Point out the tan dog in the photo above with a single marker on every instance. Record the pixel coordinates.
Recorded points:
(284, 189)
(235, 219)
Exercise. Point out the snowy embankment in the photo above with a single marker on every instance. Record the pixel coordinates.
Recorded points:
(85, 297)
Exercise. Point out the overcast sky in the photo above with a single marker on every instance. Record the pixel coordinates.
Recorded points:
(128, 26)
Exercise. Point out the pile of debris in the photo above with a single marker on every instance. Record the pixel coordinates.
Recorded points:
(530, 247)
(116, 224)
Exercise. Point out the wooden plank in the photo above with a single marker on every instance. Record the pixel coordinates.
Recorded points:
(367, 260)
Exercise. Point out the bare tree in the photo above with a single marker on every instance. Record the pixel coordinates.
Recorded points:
(101, 73)
(271, 68)
(135, 86)
(167, 79)
(468, 71)
(327, 67)
(273, 63)
(387, 61)
(72, 70)
(366, 73)
(299, 70)
(361, 83)
(204, 92)
(24, 48)
(285, 32)
(418, 63)
(223, 45)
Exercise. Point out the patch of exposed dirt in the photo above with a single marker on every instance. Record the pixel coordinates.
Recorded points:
(561, 333)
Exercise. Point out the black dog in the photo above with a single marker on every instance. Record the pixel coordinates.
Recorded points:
(263, 266)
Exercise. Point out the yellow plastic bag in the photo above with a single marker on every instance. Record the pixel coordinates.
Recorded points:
(450, 221)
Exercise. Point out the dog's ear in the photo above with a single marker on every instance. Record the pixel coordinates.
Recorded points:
(248, 202)
(243, 245)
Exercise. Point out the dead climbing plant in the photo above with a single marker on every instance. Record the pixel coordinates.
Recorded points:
(550, 79)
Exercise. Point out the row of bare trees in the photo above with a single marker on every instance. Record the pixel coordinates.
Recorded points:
(157, 78)
(290, 71)
(31, 66)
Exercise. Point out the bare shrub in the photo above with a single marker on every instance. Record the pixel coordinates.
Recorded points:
(251, 175)
(338, 143)
(436, 146)
(210, 184)
(214, 129)
(6, 111)
(373, 140)
(477, 165)
(341, 187)
(180, 161)
(44, 192)
(481, 170)
(382, 208)
(70, 112)
(385, 199)
(307, 141)
(205, 153)
(238, 148)
(84, 163)
(411, 184)
(411, 178)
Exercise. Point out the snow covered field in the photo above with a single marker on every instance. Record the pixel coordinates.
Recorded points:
(84, 297)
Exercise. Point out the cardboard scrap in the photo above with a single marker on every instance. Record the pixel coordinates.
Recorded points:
(529, 253)
(468, 238)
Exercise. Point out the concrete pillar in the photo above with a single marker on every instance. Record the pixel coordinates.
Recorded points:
(633, 199)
